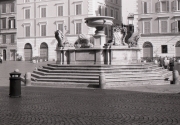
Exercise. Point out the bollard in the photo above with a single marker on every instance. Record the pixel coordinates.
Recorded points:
(28, 79)
(15, 84)
(175, 77)
(102, 81)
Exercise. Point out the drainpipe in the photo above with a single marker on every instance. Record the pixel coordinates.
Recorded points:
(35, 23)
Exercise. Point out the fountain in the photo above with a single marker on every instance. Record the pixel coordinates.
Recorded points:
(100, 53)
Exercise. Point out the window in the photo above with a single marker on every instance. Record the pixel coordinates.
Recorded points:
(3, 23)
(27, 31)
(147, 26)
(116, 1)
(162, 6)
(164, 49)
(163, 27)
(78, 28)
(12, 7)
(146, 7)
(100, 10)
(175, 26)
(27, 14)
(60, 10)
(78, 9)
(60, 27)
(43, 12)
(43, 30)
(4, 39)
(106, 11)
(175, 5)
(11, 23)
(12, 38)
(112, 13)
(3, 8)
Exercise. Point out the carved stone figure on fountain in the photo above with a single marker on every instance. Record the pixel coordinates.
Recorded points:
(119, 35)
(133, 40)
(83, 42)
(59, 37)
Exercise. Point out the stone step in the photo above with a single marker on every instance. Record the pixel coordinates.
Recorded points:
(68, 80)
(133, 79)
(66, 84)
(131, 76)
(129, 65)
(92, 68)
(114, 85)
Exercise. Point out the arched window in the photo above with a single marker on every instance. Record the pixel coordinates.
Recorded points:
(148, 50)
(44, 51)
(28, 52)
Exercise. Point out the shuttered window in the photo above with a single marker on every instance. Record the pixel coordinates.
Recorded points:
(146, 7)
(162, 6)
(175, 5)
(27, 14)
(147, 27)
(43, 30)
(12, 38)
(43, 12)
(60, 27)
(78, 9)
(78, 28)
(12, 7)
(163, 26)
(4, 39)
(106, 12)
(27, 28)
(3, 8)
(3, 23)
(60, 10)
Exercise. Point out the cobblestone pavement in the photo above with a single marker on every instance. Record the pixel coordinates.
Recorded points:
(9, 66)
(58, 106)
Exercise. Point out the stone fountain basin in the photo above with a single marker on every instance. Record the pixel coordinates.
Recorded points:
(99, 21)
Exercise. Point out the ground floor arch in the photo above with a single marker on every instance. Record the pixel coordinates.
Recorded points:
(44, 51)
(28, 52)
(148, 49)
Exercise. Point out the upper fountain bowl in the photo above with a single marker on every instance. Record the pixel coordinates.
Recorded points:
(99, 21)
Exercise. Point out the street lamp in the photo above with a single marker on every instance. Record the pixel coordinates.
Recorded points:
(130, 18)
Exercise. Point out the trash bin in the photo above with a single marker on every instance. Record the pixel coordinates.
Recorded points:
(15, 84)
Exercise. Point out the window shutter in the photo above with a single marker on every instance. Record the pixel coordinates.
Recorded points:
(176, 26)
(167, 3)
(78, 9)
(3, 8)
(106, 11)
(78, 28)
(158, 7)
(146, 27)
(14, 23)
(100, 13)
(4, 23)
(12, 38)
(9, 24)
(27, 14)
(164, 26)
(173, 6)
(12, 7)
(27, 31)
(148, 7)
(43, 12)
(4, 39)
(60, 10)
(145, 7)
(173, 27)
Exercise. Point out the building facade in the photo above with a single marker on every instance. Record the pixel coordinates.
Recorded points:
(37, 20)
(8, 42)
(159, 23)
